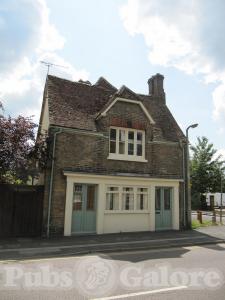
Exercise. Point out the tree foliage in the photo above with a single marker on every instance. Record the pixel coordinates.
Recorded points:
(206, 167)
(19, 148)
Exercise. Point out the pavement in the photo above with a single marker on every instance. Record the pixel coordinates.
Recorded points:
(22, 248)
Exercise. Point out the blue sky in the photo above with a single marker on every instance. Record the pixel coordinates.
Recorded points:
(126, 41)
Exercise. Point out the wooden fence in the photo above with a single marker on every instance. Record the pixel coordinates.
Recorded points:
(21, 210)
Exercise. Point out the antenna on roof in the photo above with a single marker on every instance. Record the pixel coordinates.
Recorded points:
(49, 65)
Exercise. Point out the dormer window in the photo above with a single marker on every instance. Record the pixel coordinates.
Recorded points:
(127, 144)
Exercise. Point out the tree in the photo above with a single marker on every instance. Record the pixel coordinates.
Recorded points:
(18, 148)
(206, 168)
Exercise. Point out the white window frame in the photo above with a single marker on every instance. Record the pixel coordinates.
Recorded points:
(126, 156)
(109, 192)
(135, 192)
(124, 194)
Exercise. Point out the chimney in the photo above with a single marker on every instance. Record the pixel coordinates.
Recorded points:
(155, 84)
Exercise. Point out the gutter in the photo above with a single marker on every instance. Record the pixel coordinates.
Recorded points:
(51, 182)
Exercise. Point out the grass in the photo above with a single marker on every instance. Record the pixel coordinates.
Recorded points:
(196, 224)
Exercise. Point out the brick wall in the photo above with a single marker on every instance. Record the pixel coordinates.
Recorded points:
(89, 153)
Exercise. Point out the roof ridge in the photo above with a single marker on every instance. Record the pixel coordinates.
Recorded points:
(71, 81)
(83, 84)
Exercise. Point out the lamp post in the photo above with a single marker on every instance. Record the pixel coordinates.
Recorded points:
(221, 197)
(187, 204)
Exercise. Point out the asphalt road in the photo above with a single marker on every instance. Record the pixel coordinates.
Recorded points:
(176, 273)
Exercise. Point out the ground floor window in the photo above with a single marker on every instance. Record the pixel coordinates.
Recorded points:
(142, 199)
(125, 198)
(112, 198)
(128, 198)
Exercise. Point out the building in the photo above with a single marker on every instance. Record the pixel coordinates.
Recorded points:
(214, 199)
(116, 159)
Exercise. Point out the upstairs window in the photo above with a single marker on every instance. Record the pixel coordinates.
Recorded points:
(127, 144)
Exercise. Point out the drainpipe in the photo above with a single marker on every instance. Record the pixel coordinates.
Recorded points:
(51, 182)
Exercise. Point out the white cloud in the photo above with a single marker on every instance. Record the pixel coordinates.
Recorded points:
(26, 38)
(187, 35)
(51, 39)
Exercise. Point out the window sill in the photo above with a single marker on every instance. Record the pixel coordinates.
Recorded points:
(127, 212)
(126, 158)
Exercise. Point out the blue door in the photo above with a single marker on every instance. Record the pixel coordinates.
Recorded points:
(163, 208)
(84, 209)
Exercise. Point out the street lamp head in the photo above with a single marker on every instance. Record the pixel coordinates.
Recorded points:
(191, 126)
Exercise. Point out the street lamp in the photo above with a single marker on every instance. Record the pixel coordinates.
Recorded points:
(187, 204)
(221, 197)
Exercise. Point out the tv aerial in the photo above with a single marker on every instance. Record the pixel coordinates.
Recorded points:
(49, 65)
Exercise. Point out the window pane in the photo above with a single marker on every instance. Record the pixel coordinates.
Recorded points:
(130, 136)
(121, 141)
(139, 136)
(128, 189)
(113, 134)
(128, 199)
(112, 147)
(91, 197)
(112, 201)
(78, 188)
(112, 188)
(121, 148)
(130, 149)
(167, 198)
(142, 190)
(139, 150)
(157, 199)
(122, 136)
(142, 201)
(77, 197)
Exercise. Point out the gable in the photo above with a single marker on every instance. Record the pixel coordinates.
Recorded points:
(139, 104)
(125, 92)
(103, 83)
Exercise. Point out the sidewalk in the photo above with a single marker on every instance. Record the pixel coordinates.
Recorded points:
(20, 249)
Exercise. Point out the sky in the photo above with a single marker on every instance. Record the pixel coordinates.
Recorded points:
(126, 41)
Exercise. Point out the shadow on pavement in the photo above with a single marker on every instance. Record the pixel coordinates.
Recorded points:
(159, 244)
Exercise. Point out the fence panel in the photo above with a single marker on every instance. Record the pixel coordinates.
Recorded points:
(21, 210)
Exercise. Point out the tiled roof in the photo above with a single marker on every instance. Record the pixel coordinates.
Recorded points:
(76, 105)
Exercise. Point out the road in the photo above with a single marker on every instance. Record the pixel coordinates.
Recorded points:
(125, 275)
